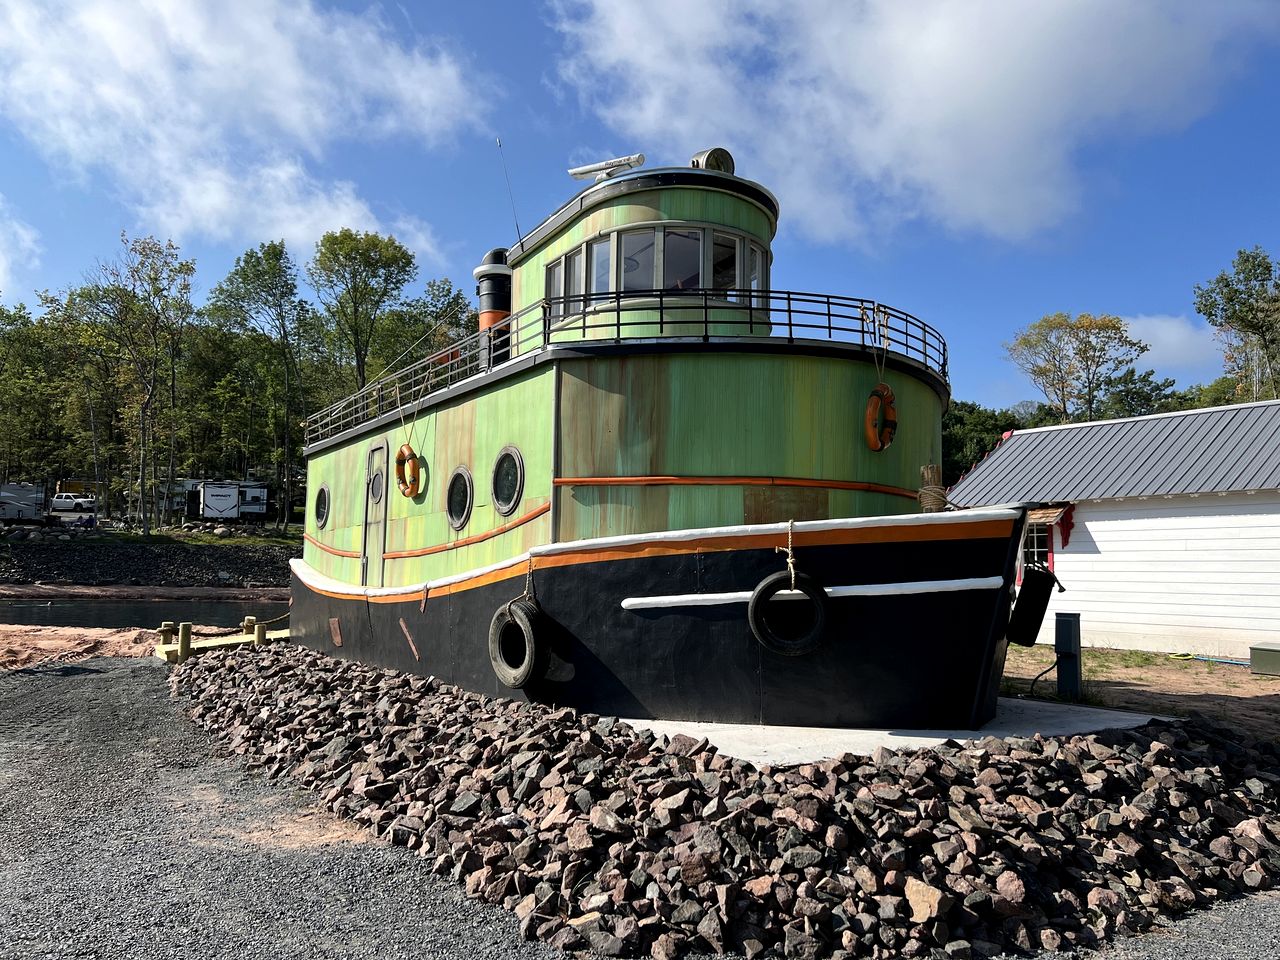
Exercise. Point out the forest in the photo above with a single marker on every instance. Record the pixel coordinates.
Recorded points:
(125, 382)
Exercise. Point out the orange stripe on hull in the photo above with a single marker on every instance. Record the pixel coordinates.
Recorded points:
(661, 481)
(328, 549)
(468, 541)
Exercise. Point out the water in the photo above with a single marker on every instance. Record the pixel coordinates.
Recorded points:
(135, 613)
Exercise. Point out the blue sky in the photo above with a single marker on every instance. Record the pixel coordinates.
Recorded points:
(977, 164)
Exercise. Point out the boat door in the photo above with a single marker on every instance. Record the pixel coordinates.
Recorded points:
(375, 516)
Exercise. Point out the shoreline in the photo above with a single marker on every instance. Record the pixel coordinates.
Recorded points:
(141, 592)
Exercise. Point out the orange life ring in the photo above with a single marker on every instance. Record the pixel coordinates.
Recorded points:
(881, 422)
(408, 472)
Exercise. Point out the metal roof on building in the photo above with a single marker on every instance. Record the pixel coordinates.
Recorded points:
(1217, 450)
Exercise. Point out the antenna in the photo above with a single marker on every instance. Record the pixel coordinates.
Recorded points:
(607, 168)
(512, 196)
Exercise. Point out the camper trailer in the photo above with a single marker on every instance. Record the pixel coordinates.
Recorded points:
(219, 500)
(22, 503)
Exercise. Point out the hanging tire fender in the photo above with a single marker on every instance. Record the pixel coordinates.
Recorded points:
(881, 421)
(517, 643)
(770, 639)
(408, 471)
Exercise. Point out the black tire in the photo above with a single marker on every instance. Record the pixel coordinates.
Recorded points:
(515, 652)
(77, 508)
(770, 639)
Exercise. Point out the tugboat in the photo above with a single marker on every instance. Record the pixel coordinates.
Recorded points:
(653, 486)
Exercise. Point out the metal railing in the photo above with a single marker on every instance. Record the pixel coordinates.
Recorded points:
(777, 316)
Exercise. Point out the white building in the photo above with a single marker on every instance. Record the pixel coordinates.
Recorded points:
(1165, 530)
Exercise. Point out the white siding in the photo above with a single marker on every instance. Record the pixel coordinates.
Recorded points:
(1184, 574)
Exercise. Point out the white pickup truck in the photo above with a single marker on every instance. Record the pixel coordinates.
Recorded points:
(76, 502)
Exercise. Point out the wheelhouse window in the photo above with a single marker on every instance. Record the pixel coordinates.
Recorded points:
(555, 288)
(598, 267)
(724, 262)
(573, 281)
(682, 259)
(636, 261)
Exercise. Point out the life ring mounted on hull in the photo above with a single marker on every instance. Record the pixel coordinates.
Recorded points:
(517, 651)
(408, 472)
(881, 422)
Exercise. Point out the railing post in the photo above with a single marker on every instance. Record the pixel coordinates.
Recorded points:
(791, 330)
(831, 334)
(706, 317)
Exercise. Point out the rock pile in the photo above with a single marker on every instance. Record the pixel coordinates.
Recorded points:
(598, 836)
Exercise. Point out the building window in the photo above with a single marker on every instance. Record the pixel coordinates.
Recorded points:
(508, 480)
(598, 265)
(1037, 547)
(459, 498)
(724, 262)
(636, 262)
(681, 259)
(322, 507)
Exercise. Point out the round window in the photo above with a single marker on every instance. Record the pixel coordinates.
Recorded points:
(322, 507)
(376, 483)
(459, 497)
(508, 480)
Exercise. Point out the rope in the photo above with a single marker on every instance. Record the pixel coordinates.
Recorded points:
(790, 552)
(933, 499)
(528, 589)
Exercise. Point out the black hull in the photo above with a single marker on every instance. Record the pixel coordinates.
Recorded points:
(925, 659)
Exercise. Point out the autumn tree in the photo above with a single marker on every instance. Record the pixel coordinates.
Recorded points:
(358, 278)
(1244, 306)
(1072, 359)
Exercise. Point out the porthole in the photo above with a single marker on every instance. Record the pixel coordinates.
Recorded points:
(508, 480)
(376, 484)
(322, 507)
(459, 497)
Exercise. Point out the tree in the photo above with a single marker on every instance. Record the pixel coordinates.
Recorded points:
(358, 277)
(261, 292)
(1133, 394)
(1072, 359)
(1244, 305)
(969, 432)
(143, 299)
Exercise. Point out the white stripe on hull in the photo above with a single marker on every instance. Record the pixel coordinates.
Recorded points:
(851, 590)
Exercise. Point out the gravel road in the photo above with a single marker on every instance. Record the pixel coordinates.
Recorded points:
(121, 836)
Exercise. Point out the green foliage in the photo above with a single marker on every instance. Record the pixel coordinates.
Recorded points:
(121, 380)
(359, 277)
(969, 432)
(1133, 394)
(1244, 305)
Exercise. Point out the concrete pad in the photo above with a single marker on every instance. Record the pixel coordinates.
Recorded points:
(791, 745)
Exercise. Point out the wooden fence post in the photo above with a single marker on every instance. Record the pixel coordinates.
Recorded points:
(184, 641)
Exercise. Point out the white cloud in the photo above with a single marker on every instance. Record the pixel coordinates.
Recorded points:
(214, 119)
(19, 247)
(1181, 347)
(862, 114)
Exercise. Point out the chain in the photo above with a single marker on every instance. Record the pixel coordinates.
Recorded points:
(790, 552)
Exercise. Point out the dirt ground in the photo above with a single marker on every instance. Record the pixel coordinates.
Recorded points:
(22, 647)
(1152, 682)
